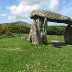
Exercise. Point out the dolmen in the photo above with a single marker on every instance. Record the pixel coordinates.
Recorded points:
(38, 31)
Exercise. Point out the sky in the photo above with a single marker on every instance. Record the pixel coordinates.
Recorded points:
(19, 10)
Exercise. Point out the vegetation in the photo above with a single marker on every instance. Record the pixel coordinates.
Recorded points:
(20, 27)
(18, 55)
(56, 30)
(13, 28)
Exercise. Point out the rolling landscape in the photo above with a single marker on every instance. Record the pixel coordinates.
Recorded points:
(35, 35)
(19, 55)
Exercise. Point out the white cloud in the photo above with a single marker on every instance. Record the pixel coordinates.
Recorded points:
(54, 4)
(2, 15)
(12, 9)
(22, 10)
(26, 6)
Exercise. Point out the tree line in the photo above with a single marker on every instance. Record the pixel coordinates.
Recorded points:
(9, 29)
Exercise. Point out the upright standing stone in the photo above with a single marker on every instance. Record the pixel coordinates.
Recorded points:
(34, 35)
(42, 28)
(68, 34)
(38, 32)
(44, 32)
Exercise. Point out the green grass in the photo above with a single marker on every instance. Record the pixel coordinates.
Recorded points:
(18, 55)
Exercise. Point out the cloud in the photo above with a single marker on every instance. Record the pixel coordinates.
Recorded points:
(26, 6)
(12, 9)
(54, 4)
(22, 10)
(2, 15)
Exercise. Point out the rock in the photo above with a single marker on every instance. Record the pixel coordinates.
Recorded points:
(43, 32)
(51, 16)
(68, 34)
(34, 35)
(38, 32)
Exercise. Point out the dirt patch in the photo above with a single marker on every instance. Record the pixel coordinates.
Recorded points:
(11, 49)
(54, 41)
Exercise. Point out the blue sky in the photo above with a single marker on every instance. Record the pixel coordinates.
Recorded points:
(19, 10)
(3, 9)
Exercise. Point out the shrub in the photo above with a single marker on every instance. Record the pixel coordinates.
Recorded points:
(9, 29)
(12, 28)
(55, 30)
(20, 29)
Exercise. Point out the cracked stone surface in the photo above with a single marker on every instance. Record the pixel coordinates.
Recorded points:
(51, 16)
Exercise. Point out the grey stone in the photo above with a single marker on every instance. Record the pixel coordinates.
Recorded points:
(34, 35)
(38, 32)
(51, 16)
(68, 34)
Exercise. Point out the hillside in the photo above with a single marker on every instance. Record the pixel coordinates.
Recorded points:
(21, 23)
(18, 23)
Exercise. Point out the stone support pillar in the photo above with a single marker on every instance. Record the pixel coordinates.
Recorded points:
(38, 31)
(68, 34)
(44, 31)
(34, 35)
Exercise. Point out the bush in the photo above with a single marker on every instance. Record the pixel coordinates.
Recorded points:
(12, 28)
(55, 30)
(9, 29)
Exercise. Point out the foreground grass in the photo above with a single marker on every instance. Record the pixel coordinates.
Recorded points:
(18, 55)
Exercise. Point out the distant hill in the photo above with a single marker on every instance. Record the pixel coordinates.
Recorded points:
(19, 23)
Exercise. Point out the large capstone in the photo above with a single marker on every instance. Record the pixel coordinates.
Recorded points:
(51, 16)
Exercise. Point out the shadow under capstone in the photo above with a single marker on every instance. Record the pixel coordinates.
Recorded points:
(58, 44)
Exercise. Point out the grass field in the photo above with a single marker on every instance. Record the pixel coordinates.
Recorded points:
(18, 55)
